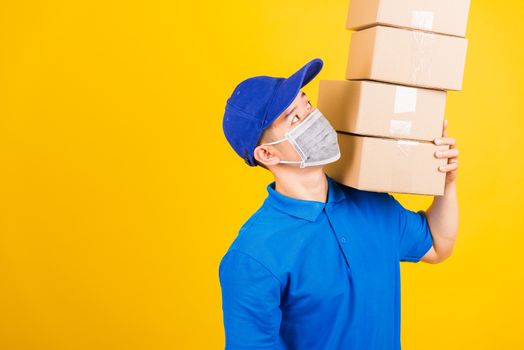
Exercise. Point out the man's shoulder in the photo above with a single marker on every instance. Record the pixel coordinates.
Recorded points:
(265, 237)
(261, 229)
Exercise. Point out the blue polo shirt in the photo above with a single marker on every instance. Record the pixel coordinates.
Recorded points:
(309, 275)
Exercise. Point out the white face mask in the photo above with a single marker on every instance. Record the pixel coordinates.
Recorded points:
(314, 139)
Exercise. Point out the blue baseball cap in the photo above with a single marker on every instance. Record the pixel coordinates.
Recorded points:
(256, 102)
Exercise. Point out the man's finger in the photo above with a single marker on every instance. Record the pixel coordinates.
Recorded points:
(447, 154)
(444, 141)
(448, 167)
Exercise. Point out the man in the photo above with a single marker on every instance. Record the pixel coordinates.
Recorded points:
(317, 265)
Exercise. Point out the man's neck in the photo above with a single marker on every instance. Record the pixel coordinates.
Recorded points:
(307, 184)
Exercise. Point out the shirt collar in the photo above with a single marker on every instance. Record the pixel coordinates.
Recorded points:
(304, 209)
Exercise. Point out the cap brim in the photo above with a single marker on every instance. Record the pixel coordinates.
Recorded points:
(286, 92)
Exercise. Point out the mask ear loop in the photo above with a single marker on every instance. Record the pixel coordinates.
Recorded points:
(301, 162)
(274, 142)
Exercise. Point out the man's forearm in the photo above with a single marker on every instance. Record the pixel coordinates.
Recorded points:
(443, 220)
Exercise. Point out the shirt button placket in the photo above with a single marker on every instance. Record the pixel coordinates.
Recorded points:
(342, 239)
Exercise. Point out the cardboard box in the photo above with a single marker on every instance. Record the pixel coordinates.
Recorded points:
(407, 57)
(439, 16)
(388, 165)
(381, 109)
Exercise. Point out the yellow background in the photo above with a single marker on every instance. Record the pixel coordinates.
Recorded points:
(119, 193)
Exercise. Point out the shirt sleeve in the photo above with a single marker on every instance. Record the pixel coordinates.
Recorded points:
(414, 234)
(250, 302)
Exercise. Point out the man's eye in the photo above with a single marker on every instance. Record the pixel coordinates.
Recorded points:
(295, 119)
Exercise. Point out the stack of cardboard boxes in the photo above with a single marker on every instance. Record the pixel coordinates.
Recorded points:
(403, 57)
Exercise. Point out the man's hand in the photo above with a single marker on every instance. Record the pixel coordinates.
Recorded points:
(443, 214)
(452, 155)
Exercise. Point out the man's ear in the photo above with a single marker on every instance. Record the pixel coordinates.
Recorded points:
(264, 155)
